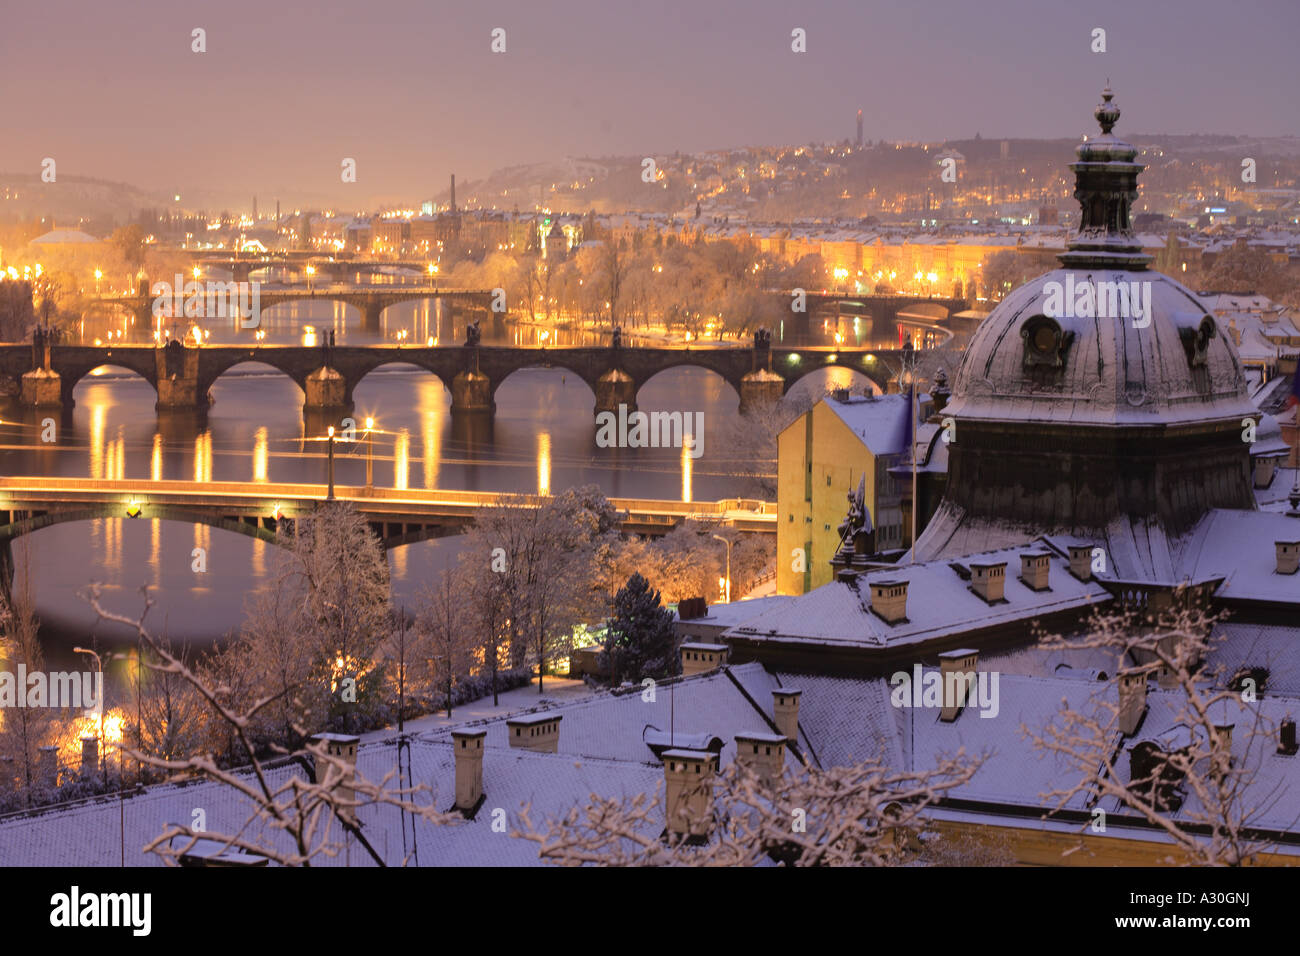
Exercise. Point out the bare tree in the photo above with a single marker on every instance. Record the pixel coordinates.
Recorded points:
(443, 635)
(1183, 780)
(292, 819)
(867, 814)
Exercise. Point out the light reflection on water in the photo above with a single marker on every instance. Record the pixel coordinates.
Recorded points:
(541, 436)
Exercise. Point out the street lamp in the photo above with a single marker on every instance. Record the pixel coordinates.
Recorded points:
(99, 274)
(718, 537)
(370, 455)
(330, 497)
(99, 666)
(311, 271)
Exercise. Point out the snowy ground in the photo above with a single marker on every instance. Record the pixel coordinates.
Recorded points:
(512, 701)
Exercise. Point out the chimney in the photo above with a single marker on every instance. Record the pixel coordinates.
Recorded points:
(537, 732)
(49, 767)
(1287, 740)
(1132, 701)
(1265, 469)
(468, 745)
(1035, 569)
(957, 669)
(453, 192)
(702, 658)
(988, 579)
(339, 774)
(89, 757)
(688, 803)
(785, 711)
(1081, 561)
(1288, 556)
(889, 599)
(763, 753)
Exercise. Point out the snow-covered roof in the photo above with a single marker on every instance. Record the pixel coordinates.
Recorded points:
(1238, 546)
(940, 603)
(880, 421)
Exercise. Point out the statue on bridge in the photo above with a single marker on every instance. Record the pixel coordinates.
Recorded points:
(472, 334)
(617, 342)
(763, 340)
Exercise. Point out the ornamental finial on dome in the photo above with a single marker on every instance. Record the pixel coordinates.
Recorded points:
(1107, 113)
(1105, 184)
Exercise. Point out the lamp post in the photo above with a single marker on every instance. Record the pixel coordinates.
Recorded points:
(311, 271)
(99, 667)
(718, 537)
(330, 496)
(370, 455)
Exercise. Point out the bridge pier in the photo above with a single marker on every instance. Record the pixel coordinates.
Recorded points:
(471, 391)
(326, 389)
(760, 387)
(370, 316)
(613, 389)
(178, 377)
(41, 388)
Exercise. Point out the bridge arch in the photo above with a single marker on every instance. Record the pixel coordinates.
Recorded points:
(566, 369)
(213, 371)
(72, 374)
(404, 363)
(712, 373)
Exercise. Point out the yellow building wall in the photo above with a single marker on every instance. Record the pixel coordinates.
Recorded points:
(811, 505)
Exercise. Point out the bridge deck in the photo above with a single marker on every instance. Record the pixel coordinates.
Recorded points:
(379, 504)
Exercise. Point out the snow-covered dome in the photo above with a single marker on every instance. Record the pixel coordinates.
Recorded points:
(1098, 397)
(1101, 346)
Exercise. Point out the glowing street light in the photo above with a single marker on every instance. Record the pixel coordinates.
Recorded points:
(718, 537)
(99, 274)
(370, 455)
(330, 496)
(311, 271)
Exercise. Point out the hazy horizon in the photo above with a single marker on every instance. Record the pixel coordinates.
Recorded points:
(413, 93)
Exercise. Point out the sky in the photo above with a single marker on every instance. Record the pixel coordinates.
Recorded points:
(411, 90)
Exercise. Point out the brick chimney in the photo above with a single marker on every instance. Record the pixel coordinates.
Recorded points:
(763, 753)
(48, 762)
(889, 599)
(702, 658)
(688, 803)
(785, 711)
(89, 757)
(537, 732)
(988, 579)
(339, 774)
(957, 668)
(1132, 701)
(1081, 561)
(1035, 569)
(1288, 556)
(468, 745)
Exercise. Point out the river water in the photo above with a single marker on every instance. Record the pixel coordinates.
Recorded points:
(541, 438)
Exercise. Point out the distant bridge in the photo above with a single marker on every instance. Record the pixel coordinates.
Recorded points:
(328, 376)
(264, 510)
(371, 303)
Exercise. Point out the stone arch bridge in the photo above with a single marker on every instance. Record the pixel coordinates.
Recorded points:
(328, 376)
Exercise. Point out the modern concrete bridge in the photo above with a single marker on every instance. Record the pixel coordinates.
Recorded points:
(265, 510)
